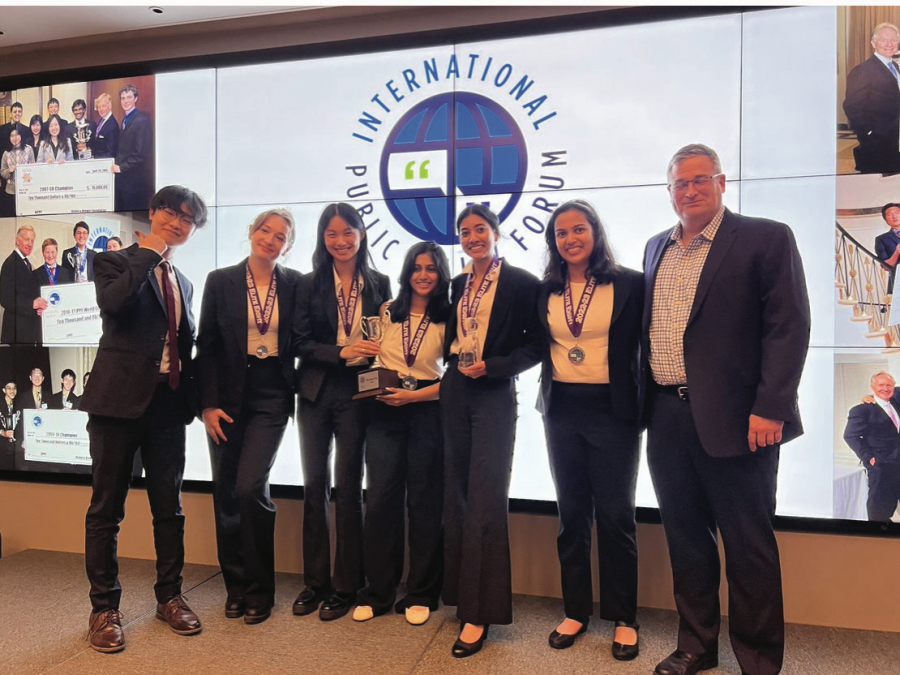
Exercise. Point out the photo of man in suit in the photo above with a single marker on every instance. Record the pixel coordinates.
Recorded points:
(133, 153)
(887, 245)
(872, 105)
(147, 340)
(105, 141)
(873, 433)
(79, 259)
(18, 291)
(726, 330)
(65, 398)
(81, 127)
(53, 109)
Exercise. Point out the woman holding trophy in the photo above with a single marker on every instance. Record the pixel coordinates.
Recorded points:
(494, 327)
(404, 445)
(246, 374)
(591, 311)
(333, 299)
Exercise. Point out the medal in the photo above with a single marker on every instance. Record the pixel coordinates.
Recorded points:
(262, 352)
(261, 315)
(347, 308)
(410, 351)
(409, 383)
(468, 312)
(575, 318)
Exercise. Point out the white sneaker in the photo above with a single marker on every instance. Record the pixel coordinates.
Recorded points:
(417, 614)
(362, 613)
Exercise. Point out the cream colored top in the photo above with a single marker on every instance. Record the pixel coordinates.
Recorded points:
(482, 314)
(594, 339)
(270, 339)
(356, 333)
(429, 360)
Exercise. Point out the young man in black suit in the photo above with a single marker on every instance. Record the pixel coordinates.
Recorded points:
(873, 433)
(148, 336)
(133, 153)
(726, 329)
(79, 259)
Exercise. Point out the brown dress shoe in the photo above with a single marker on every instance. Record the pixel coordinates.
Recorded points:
(105, 631)
(179, 616)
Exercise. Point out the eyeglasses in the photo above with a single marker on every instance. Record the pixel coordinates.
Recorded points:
(183, 218)
(700, 181)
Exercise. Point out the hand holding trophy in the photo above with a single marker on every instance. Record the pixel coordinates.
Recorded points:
(468, 348)
(375, 380)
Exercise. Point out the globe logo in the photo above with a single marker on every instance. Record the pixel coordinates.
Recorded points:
(54, 298)
(37, 422)
(450, 145)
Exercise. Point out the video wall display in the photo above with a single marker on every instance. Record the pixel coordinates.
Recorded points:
(410, 137)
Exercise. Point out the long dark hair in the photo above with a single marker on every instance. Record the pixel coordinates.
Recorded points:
(601, 264)
(63, 136)
(439, 302)
(322, 260)
(41, 133)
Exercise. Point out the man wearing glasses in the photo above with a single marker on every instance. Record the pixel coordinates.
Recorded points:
(148, 336)
(872, 105)
(726, 328)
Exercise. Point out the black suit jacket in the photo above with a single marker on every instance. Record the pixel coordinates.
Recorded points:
(63, 276)
(748, 331)
(222, 339)
(316, 325)
(133, 156)
(513, 341)
(132, 309)
(55, 402)
(105, 142)
(624, 344)
(72, 130)
(872, 100)
(871, 433)
(18, 290)
(885, 245)
(64, 261)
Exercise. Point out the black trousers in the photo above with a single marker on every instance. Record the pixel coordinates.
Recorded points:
(697, 494)
(333, 415)
(245, 515)
(479, 434)
(594, 462)
(404, 463)
(159, 432)
(884, 490)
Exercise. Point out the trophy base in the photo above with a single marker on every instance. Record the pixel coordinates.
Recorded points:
(374, 381)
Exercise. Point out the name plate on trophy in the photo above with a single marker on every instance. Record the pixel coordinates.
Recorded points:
(71, 187)
(374, 381)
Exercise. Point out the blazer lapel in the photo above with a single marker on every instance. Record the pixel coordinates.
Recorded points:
(236, 297)
(621, 291)
(503, 302)
(543, 301)
(286, 287)
(718, 251)
(652, 257)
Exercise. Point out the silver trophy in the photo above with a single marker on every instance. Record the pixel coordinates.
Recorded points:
(375, 380)
(75, 262)
(468, 347)
(373, 329)
(83, 137)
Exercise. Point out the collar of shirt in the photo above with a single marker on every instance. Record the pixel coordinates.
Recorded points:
(884, 404)
(337, 281)
(128, 116)
(468, 269)
(885, 60)
(708, 232)
(21, 255)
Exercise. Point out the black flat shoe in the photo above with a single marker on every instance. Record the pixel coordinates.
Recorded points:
(684, 663)
(234, 609)
(309, 599)
(463, 649)
(622, 652)
(336, 605)
(259, 614)
(565, 640)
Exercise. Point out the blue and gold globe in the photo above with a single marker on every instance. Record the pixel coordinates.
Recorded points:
(450, 145)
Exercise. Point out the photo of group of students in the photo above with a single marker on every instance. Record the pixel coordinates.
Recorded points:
(50, 138)
(620, 351)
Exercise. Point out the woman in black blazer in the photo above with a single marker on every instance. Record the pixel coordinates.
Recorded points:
(341, 289)
(590, 309)
(478, 404)
(38, 133)
(245, 361)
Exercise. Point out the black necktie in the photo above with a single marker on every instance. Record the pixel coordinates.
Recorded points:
(27, 263)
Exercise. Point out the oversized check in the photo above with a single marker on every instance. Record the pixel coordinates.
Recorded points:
(72, 316)
(57, 436)
(85, 186)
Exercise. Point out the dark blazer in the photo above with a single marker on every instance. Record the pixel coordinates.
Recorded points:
(55, 401)
(747, 335)
(886, 244)
(64, 261)
(624, 344)
(18, 290)
(28, 139)
(72, 130)
(513, 341)
(105, 142)
(222, 338)
(871, 433)
(872, 99)
(316, 325)
(133, 156)
(63, 276)
(132, 309)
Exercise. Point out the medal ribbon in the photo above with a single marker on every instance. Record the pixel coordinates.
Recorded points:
(347, 308)
(575, 320)
(411, 351)
(467, 312)
(261, 315)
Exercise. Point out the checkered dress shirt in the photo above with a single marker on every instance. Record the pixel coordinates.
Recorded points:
(673, 296)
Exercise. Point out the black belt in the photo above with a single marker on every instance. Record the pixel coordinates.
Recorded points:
(421, 384)
(679, 390)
